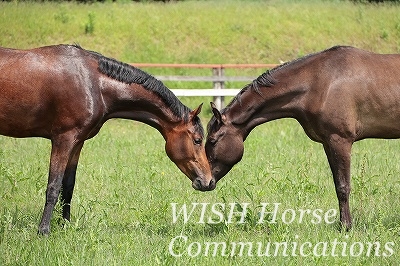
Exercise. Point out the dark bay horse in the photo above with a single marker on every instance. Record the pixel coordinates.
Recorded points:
(339, 96)
(65, 93)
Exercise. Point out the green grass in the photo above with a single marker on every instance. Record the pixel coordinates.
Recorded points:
(122, 214)
(203, 31)
(121, 209)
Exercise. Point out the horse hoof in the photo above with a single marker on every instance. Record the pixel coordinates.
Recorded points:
(43, 231)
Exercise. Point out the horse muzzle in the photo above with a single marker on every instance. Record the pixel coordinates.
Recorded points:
(203, 185)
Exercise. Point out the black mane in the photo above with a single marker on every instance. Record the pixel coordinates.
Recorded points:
(129, 74)
(264, 80)
(267, 80)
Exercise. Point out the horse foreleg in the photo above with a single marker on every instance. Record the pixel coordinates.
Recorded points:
(69, 182)
(338, 152)
(60, 155)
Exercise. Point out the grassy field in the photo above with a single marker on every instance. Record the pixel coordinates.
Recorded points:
(122, 212)
(203, 31)
(122, 207)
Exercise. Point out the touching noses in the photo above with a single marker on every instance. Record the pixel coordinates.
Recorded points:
(203, 185)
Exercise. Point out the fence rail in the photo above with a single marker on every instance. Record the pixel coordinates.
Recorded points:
(217, 77)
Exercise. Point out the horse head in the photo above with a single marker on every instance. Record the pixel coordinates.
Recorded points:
(184, 146)
(224, 145)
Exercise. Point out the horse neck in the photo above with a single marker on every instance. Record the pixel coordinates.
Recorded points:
(134, 102)
(255, 107)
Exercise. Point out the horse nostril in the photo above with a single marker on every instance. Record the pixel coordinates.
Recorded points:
(212, 184)
(196, 184)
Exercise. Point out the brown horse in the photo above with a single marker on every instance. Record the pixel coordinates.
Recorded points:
(65, 93)
(339, 96)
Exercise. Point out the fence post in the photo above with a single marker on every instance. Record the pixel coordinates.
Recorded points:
(218, 100)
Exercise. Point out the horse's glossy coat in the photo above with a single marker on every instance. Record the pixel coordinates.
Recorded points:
(339, 96)
(65, 93)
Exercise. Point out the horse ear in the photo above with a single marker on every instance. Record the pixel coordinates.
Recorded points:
(195, 112)
(220, 118)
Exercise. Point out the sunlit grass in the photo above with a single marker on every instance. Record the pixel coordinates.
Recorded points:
(121, 210)
(203, 31)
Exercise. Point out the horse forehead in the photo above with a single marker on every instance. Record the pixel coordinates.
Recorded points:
(185, 128)
(214, 128)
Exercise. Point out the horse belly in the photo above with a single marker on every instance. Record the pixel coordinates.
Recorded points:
(23, 112)
(380, 112)
(23, 123)
(380, 127)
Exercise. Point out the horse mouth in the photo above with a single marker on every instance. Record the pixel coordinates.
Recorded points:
(198, 184)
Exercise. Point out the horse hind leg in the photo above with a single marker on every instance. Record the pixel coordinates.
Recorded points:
(338, 152)
(69, 183)
(62, 148)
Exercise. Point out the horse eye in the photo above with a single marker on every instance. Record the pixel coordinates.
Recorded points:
(212, 141)
(197, 141)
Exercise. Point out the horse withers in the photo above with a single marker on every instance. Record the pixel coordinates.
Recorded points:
(65, 93)
(339, 96)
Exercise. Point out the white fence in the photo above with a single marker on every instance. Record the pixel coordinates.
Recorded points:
(217, 78)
